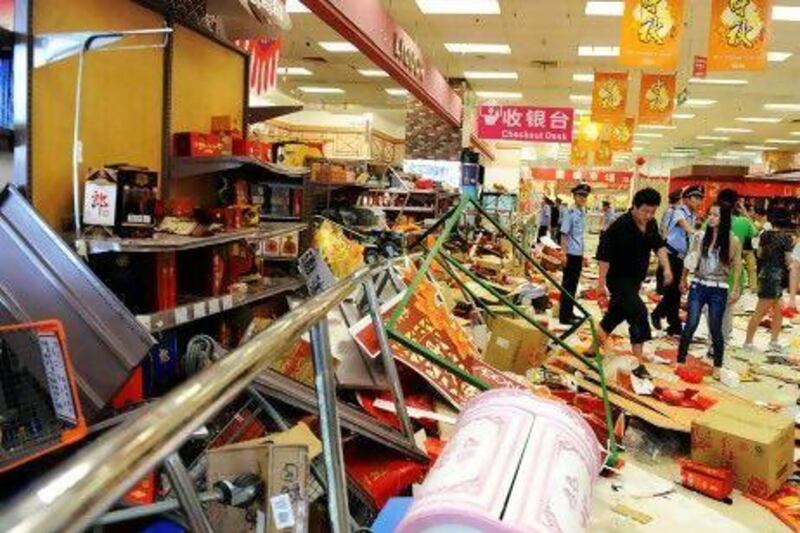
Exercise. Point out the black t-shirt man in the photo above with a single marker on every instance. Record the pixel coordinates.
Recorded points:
(624, 256)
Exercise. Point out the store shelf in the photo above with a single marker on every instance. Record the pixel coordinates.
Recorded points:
(426, 192)
(182, 167)
(276, 259)
(400, 208)
(327, 185)
(279, 218)
(176, 243)
(190, 312)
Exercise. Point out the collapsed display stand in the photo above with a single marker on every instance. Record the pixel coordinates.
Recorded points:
(436, 253)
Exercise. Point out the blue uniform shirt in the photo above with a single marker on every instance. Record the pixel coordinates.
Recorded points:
(677, 238)
(608, 217)
(572, 226)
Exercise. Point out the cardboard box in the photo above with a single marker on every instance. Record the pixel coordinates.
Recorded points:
(195, 144)
(515, 345)
(757, 444)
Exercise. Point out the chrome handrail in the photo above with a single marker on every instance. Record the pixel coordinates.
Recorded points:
(70, 498)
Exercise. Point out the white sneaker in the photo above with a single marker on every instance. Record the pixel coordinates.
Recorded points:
(748, 347)
(776, 348)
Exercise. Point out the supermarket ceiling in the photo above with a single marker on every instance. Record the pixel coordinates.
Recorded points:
(540, 41)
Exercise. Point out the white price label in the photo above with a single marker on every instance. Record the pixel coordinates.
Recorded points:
(282, 512)
(57, 379)
(181, 315)
(145, 321)
(213, 306)
(227, 302)
(199, 310)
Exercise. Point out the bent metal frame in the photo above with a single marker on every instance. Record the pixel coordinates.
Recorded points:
(436, 253)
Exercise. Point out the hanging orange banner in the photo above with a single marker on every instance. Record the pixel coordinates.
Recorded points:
(579, 155)
(739, 34)
(603, 155)
(609, 96)
(651, 33)
(657, 98)
(589, 133)
(620, 135)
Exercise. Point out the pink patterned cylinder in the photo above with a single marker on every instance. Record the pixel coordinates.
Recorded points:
(516, 463)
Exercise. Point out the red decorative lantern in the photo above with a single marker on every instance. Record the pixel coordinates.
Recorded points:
(640, 161)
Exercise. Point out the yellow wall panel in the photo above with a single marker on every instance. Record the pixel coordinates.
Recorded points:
(122, 103)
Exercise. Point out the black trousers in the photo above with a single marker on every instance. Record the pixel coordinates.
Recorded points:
(626, 306)
(543, 230)
(572, 274)
(670, 303)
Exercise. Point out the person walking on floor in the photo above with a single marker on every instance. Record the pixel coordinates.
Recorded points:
(674, 202)
(713, 254)
(680, 227)
(624, 257)
(775, 255)
(545, 212)
(572, 242)
(608, 216)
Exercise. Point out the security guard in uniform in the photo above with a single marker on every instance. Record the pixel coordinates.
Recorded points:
(572, 242)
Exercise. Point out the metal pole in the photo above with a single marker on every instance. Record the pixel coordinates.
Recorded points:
(389, 365)
(187, 496)
(329, 427)
(142, 511)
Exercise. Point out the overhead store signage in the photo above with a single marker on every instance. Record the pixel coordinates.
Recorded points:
(651, 34)
(621, 179)
(609, 96)
(525, 123)
(739, 34)
(620, 135)
(368, 25)
(657, 98)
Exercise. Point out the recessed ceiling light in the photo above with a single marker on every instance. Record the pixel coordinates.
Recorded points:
(717, 81)
(598, 51)
(295, 6)
(699, 102)
(759, 120)
(605, 9)
(733, 130)
(338, 46)
(760, 148)
(459, 7)
(782, 141)
(712, 138)
(490, 75)
(683, 116)
(786, 13)
(782, 107)
(373, 73)
(294, 71)
(580, 98)
(477, 48)
(583, 78)
(499, 95)
(397, 91)
(657, 127)
(321, 90)
(642, 135)
(778, 57)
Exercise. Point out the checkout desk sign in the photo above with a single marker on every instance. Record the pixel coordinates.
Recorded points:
(40, 408)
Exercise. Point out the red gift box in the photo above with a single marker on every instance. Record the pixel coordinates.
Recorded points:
(194, 144)
(714, 482)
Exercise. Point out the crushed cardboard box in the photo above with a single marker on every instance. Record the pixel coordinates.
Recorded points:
(515, 345)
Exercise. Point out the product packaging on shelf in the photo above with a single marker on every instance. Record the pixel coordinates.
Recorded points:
(196, 144)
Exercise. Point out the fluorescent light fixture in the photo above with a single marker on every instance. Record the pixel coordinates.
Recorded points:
(338, 46)
(477, 48)
(740, 153)
(397, 91)
(583, 112)
(677, 154)
(459, 7)
(598, 51)
(782, 141)
(321, 90)
(583, 78)
(778, 57)
(638, 149)
(723, 157)
(712, 138)
(657, 127)
(605, 9)
(699, 102)
(786, 13)
(759, 120)
(294, 71)
(733, 130)
(640, 141)
(794, 133)
(373, 73)
(580, 98)
(683, 116)
(642, 135)
(489, 75)
(717, 81)
(782, 107)
(707, 145)
(295, 6)
(499, 95)
(760, 148)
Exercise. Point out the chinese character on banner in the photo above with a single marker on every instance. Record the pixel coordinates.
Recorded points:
(603, 155)
(657, 98)
(610, 96)
(651, 33)
(264, 56)
(739, 34)
(525, 123)
(620, 135)
(579, 155)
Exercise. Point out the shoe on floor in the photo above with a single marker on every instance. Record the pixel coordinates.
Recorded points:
(775, 348)
(641, 372)
(748, 347)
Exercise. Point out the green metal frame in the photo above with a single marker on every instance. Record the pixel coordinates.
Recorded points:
(449, 264)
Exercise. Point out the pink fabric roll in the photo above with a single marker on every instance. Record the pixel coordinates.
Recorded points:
(516, 463)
